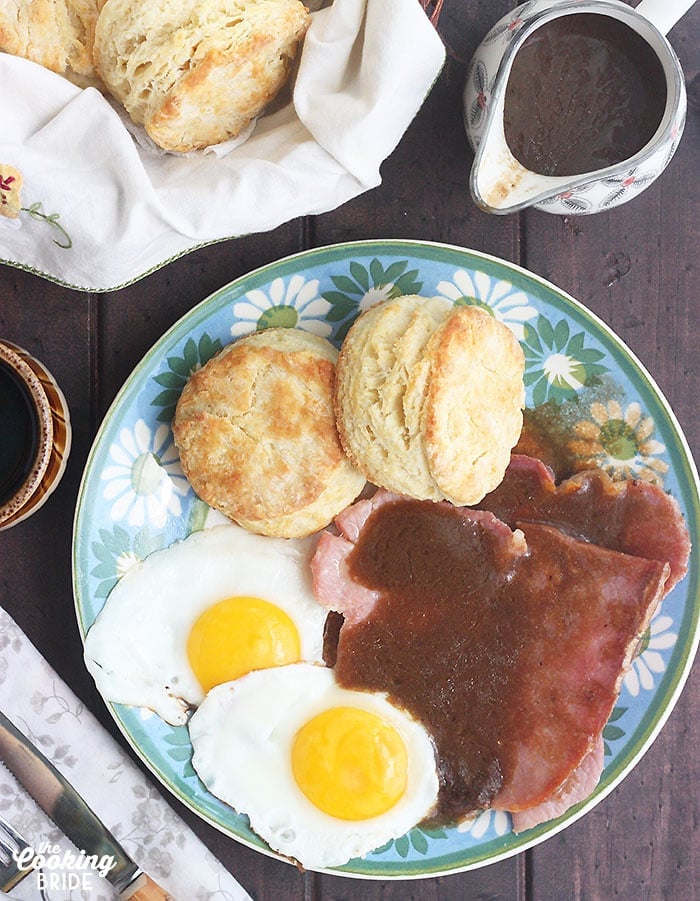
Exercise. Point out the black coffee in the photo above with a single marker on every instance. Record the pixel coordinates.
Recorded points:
(19, 432)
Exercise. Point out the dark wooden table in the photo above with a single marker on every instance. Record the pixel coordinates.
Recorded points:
(636, 266)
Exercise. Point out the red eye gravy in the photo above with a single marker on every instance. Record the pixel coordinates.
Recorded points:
(585, 92)
(509, 646)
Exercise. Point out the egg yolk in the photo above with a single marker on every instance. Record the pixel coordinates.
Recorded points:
(350, 763)
(238, 635)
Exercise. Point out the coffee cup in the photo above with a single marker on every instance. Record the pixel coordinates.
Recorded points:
(35, 434)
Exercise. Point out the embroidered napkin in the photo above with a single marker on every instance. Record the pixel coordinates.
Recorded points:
(100, 208)
(42, 706)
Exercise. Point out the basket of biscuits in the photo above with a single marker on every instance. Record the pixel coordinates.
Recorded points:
(189, 123)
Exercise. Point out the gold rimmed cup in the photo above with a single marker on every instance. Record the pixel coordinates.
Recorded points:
(35, 434)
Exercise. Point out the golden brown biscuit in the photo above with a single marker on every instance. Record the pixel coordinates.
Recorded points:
(257, 436)
(429, 398)
(197, 72)
(57, 34)
(472, 411)
(376, 363)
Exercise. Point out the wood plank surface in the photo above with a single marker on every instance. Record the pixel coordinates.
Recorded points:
(635, 266)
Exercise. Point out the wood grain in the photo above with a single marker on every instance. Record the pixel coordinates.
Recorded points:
(635, 267)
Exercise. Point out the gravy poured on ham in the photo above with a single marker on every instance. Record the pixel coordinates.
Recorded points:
(509, 646)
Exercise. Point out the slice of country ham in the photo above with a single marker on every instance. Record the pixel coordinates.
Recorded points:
(590, 607)
(516, 671)
(333, 586)
(577, 787)
(631, 516)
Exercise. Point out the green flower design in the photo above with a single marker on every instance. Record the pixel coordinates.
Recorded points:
(418, 839)
(194, 356)
(364, 287)
(557, 365)
(179, 749)
(611, 732)
(116, 552)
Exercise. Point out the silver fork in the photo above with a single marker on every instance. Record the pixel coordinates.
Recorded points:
(12, 844)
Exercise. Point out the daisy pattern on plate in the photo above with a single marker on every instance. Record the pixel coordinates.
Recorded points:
(284, 304)
(180, 367)
(620, 442)
(415, 841)
(557, 362)
(117, 551)
(124, 562)
(144, 482)
(497, 297)
(650, 662)
(366, 285)
(497, 820)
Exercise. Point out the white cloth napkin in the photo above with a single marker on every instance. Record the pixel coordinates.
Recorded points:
(100, 209)
(42, 706)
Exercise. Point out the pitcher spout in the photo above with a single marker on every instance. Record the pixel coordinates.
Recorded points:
(500, 184)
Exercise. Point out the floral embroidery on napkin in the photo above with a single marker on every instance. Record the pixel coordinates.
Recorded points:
(135, 811)
(10, 187)
(51, 219)
(11, 182)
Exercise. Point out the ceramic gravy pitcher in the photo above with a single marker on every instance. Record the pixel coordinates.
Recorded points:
(499, 182)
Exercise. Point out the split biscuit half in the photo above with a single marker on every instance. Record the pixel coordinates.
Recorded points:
(429, 398)
(197, 72)
(257, 437)
(56, 34)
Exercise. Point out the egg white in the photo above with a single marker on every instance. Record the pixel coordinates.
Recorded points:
(136, 650)
(242, 735)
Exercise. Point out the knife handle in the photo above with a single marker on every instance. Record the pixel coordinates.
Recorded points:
(145, 889)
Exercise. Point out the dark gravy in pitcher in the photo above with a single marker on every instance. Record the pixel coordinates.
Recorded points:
(585, 92)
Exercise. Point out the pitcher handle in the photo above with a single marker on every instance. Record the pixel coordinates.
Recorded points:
(664, 13)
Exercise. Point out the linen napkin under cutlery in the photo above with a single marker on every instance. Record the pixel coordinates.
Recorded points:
(99, 209)
(42, 706)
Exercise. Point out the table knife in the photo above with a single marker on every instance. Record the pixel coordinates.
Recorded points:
(70, 812)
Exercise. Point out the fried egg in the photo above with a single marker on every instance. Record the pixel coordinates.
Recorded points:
(204, 610)
(324, 774)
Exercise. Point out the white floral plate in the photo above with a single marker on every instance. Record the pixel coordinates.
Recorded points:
(134, 498)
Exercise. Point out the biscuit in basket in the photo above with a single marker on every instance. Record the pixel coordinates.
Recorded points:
(429, 398)
(257, 435)
(56, 34)
(197, 72)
